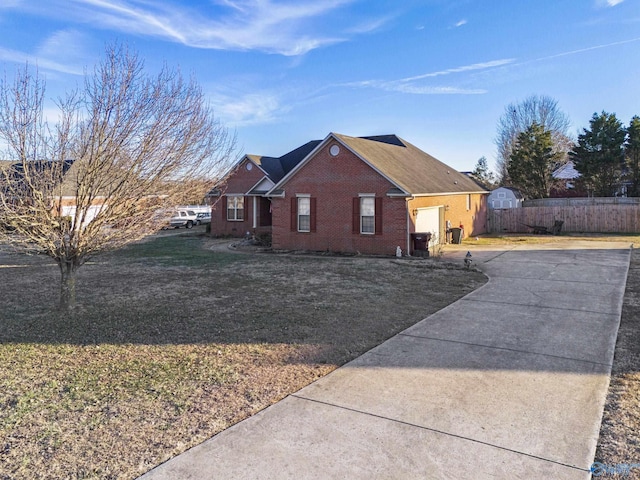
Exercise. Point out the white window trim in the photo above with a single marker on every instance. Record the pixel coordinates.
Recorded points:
(299, 196)
(373, 196)
(235, 208)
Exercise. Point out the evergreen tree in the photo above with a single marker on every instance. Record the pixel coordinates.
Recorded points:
(483, 175)
(632, 153)
(533, 160)
(517, 117)
(599, 154)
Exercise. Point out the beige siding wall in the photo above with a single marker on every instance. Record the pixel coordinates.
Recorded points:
(468, 210)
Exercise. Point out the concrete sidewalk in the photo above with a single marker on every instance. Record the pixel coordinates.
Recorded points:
(508, 382)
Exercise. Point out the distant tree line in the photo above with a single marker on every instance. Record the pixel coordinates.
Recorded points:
(533, 141)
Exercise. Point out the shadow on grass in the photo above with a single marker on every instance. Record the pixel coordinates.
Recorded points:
(174, 290)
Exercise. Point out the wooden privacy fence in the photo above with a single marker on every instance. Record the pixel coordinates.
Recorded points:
(577, 218)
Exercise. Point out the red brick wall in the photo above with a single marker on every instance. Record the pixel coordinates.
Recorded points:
(334, 182)
(240, 181)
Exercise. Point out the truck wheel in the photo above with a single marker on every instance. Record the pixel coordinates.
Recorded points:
(189, 224)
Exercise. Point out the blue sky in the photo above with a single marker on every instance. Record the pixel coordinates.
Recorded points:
(438, 73)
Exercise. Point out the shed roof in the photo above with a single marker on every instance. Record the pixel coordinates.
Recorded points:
(517, 193)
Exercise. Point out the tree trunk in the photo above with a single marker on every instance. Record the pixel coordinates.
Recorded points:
(68, 286)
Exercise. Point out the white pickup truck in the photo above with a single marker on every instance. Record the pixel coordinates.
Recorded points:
(190, 215)
(183, 218)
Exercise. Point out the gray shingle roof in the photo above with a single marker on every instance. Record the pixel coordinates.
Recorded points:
(411, 169)
(63, 178)
(277, 167)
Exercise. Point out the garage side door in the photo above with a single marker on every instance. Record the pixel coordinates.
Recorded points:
(428, 220)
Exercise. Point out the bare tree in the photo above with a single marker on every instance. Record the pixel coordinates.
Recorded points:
(517, 117)
(126, 148)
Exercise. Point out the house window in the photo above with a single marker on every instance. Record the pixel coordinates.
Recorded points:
(367, 215)
(235, 208)
(468, 202)
(502, 195)
(304, 214)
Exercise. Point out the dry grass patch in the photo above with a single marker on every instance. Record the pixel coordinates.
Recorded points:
(517, 238)
(620, 431)
(172, 342)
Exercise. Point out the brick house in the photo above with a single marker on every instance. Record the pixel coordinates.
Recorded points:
(364, 194)
(240, 201)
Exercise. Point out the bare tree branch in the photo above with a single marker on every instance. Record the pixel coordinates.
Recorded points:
(125, 149)
(518, 117)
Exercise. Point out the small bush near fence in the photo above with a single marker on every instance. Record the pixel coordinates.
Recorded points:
(605, 218)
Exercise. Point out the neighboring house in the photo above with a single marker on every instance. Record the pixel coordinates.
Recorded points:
(505, 197)
(362, 195)
(59, 184)
(566, 172)
(567, 182)
(55, 177)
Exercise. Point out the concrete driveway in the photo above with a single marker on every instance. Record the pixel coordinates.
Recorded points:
(509, 382)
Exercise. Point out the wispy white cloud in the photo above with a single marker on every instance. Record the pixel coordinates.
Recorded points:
(415, 84)
(290, 27)
(369, 26)
(61, 52)
(402, 87)
(461, 23)
(42, 63)
(582, 50)
(464, 68)
(65, 46)
(609, 3)
(432, 90)
(248, 109)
